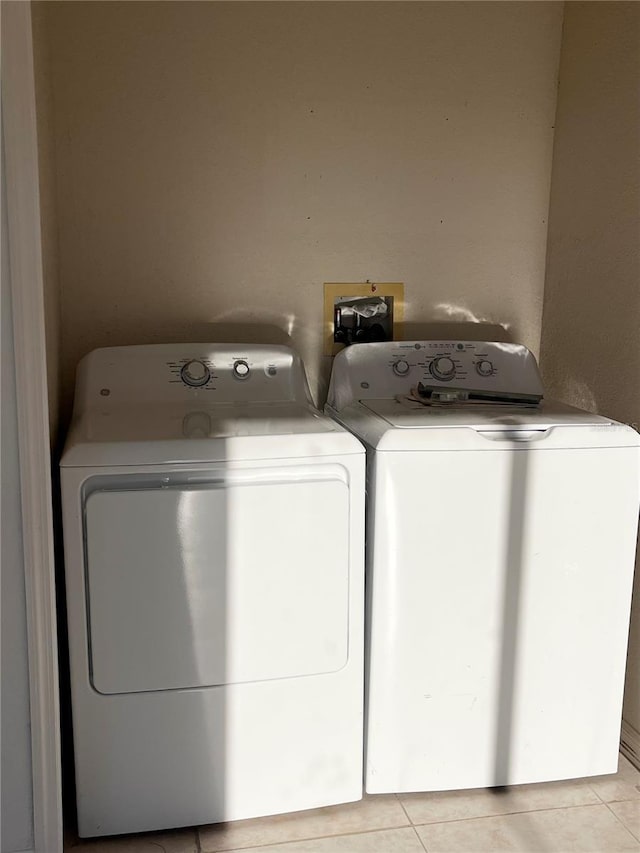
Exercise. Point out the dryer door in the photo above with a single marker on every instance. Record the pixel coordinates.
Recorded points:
(238, 580)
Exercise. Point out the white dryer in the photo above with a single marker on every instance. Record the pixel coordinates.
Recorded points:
(214, 550)
(501, 534)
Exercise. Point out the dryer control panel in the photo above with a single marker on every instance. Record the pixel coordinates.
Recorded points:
(384, 370)
(183, 373)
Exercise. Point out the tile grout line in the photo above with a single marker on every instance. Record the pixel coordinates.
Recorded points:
(312, 838)
(420, 841)
(606, 802)
(508, 814)
(411, 823)
(407, 815)
(601, 801)
(621, 822)
(593, 790)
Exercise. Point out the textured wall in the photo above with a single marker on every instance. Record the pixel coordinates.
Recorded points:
(44, 107)
(591, 324)
(17, 802)
(217, 162)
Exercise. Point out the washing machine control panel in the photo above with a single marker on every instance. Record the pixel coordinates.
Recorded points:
(215, 373)
(385, 370)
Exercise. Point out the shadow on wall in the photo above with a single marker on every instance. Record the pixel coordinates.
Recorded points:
(433, 330)
(222, 331)
(247, 333)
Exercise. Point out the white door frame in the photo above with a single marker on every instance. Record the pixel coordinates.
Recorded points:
(25, 257)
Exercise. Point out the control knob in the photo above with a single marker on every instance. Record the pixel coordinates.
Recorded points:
(443, 368)
(195, 373)
(401, 367)
(241, 369)
(484, 367)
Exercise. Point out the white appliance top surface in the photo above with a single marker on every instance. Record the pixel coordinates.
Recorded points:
(372, 386)
(397, 425)
(155, 422)
(407, 414)
(136, 405)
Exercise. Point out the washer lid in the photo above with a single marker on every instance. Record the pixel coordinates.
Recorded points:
(409, 414)
(392, 425)
(166, 434)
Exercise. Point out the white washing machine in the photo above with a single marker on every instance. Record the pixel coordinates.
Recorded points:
(214, 548)
(501, 534)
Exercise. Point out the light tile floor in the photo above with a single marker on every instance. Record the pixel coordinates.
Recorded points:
(599, 815)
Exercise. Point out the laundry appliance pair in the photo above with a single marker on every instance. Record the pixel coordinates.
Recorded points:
(214, 543)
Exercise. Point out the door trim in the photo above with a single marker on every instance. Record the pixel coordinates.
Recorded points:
(27, 293)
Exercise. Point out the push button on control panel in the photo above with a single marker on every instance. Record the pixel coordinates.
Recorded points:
(241, 369)
(195, 373)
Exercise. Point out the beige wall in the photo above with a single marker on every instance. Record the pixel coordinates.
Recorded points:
(47, 166)
(217, 162)
(591, 324)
